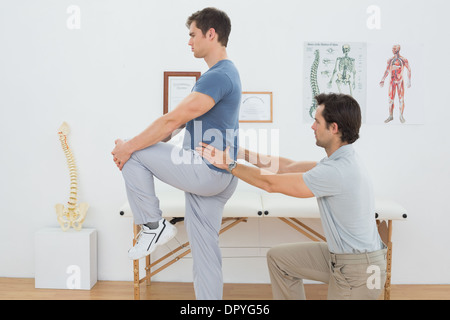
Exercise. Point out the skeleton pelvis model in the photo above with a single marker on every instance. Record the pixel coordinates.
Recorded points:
(73, 215)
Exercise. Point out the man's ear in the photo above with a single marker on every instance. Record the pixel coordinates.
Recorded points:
(334, 128)
(211, 34)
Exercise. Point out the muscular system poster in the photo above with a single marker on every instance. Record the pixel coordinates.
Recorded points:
(395, 84)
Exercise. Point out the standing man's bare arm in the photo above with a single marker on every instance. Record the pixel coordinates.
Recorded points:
(191, 107)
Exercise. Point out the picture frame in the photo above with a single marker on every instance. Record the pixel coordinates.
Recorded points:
(256, 106)
(177, 85)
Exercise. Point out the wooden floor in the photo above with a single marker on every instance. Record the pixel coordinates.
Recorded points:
(23, 289)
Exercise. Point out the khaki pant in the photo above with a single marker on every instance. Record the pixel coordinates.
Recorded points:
(349, 276)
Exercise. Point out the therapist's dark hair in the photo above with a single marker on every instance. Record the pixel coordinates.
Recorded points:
(212, 18)
(345, 111)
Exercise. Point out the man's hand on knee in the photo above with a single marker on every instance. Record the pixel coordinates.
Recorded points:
(121, 153)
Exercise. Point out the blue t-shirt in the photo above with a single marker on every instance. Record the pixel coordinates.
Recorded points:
(220, 125)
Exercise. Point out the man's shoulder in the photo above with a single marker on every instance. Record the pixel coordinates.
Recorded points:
(216, 72)
(226, 67)
(224, 74)
(325, 167)
(214, 78)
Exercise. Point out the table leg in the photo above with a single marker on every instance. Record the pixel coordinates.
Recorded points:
(387, 286)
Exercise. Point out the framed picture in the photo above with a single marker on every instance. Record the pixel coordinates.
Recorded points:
(256, 107)
(177, 85)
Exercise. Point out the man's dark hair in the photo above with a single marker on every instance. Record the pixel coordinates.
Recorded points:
(345, 111)
(212, 18)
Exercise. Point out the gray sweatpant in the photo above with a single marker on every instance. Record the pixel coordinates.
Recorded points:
(206, 193)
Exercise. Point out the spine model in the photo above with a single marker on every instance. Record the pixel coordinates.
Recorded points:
(72, 215)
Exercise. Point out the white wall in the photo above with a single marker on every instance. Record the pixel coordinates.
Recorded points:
(106, 81)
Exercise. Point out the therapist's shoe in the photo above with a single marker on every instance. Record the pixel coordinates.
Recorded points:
(148, 239)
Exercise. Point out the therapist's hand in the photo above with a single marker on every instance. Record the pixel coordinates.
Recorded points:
(219, 159)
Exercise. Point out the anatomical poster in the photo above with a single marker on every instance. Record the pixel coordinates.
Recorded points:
(395, 84)
(338, 67)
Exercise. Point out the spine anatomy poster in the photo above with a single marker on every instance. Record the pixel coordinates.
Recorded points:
(338, 67)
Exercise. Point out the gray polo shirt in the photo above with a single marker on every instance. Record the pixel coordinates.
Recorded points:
(345, 196)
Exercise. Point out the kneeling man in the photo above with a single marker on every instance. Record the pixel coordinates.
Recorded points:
(346, 202)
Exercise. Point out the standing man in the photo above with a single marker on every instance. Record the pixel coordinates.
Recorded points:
(210, 111)
(346, 202)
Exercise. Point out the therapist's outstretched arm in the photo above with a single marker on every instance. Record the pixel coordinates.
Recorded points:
(290, 184)
(275, 164)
